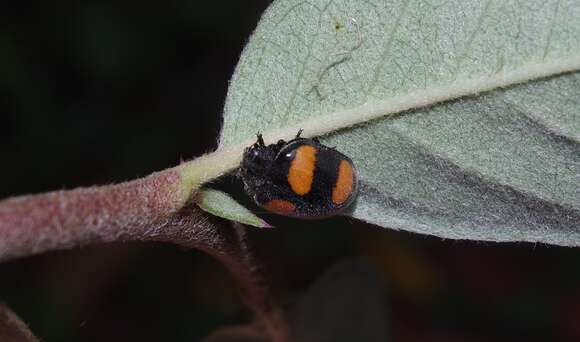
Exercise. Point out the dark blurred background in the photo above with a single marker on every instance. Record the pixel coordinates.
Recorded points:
(96, 92)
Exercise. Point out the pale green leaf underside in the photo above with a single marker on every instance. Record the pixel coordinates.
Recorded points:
(503, 165)
(221, 204)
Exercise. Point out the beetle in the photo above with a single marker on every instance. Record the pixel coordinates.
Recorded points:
(300, 178)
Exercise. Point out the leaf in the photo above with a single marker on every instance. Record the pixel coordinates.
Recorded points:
(485, 141)
(220, 204)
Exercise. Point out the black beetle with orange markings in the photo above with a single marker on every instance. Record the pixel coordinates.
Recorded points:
(300, 178)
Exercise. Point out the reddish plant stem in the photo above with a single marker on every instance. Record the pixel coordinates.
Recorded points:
(12, 329)
(147, 209)
(231, 247)
(65, 219)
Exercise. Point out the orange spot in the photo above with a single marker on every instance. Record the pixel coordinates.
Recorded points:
(280, 206)
(301, 173)
(343, 187)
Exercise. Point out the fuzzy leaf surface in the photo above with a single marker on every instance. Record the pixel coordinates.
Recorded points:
(462, 117)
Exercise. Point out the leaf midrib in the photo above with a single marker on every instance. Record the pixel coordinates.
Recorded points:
(227, 158)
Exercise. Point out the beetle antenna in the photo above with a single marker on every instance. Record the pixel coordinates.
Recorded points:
(299, 132)
(260, 141)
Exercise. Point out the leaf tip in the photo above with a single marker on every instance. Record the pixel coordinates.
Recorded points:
(266, 225)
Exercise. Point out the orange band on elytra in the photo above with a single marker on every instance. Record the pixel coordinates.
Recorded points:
(301, 172)
(280, 206)
(344, 183)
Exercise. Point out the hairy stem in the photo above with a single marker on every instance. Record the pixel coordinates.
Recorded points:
(64, 219)
(154, 208)
(12, 329)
